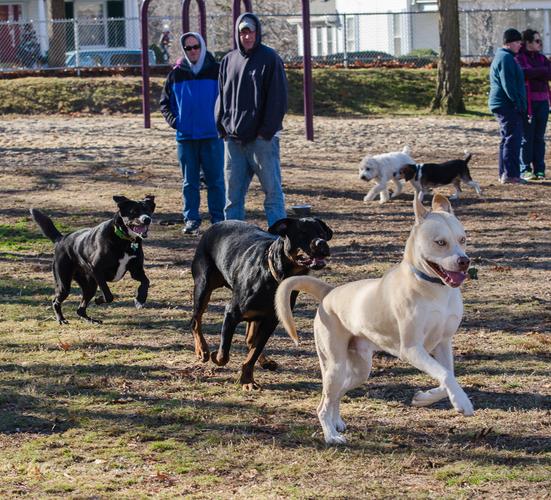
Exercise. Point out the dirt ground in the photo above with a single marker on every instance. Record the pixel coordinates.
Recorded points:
(124, 409)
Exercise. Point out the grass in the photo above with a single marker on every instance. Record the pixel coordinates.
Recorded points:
(123, 409)
(337, 92)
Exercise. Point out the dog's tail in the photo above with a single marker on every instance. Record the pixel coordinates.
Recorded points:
(319, 289)
(46, 225)
(468, 156)
(406, 150)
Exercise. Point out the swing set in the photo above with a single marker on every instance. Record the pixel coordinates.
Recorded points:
(236, 11)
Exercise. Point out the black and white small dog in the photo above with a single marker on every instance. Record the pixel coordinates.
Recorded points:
(100, 254)
(424, 176)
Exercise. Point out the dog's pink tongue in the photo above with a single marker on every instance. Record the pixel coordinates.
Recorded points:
(139, 229)
(455, 278)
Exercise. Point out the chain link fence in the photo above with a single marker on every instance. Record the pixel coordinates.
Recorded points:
(404, 38)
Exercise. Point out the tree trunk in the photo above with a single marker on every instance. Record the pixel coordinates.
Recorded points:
(58, 42)
(449, 97)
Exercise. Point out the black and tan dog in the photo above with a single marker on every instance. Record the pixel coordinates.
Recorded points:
(425, 176)
(252, 262)
(100, 254)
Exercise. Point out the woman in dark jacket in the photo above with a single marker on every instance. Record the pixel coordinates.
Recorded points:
(537, 73)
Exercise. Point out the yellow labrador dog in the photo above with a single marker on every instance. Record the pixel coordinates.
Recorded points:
(412, 312)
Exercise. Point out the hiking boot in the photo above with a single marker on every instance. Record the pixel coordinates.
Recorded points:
(191, 227)
(528, 176)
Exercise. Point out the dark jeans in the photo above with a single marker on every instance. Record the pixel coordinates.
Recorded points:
(532, 150)
(510, 126)
(207, 155)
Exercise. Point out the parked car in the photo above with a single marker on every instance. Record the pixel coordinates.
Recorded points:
(107, 58)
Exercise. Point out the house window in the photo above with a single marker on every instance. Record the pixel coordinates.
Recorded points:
(91, 17)
(97, 28)
(330, 44)
(351, 33)
(319, 41)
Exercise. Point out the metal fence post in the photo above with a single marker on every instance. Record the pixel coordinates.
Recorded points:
(77, 42)
(345, 42)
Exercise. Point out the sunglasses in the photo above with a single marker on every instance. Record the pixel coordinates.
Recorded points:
(189, 48)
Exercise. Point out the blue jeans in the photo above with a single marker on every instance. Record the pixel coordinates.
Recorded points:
(532, 152)
(207, 155)
(241, 162)
(510, 126)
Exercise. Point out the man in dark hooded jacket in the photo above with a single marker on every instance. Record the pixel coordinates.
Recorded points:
(249, 113)
(187, 103)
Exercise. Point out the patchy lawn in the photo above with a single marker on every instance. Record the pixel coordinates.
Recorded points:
(124, 410)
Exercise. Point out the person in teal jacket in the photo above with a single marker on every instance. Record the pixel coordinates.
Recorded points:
(187, 104)
(507, 101)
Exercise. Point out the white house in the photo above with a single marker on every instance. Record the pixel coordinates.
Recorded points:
(397, 27)
(92, 30)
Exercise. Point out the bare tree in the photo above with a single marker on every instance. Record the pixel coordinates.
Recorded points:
(449, 97)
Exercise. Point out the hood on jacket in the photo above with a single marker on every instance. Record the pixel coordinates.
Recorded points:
(255, 20)
(195, 67)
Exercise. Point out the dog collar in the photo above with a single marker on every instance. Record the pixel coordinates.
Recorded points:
(271, 264)
(123, 236)
(418, 174)
(426, 277)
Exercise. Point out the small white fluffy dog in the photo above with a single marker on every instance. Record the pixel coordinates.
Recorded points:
(412, 312)
(384, 168)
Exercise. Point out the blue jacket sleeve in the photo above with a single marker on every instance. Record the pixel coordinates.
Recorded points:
(276, 100)
(166, 103)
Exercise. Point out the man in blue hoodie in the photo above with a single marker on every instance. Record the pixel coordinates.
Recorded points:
(507, 101)
(187, 103)
(249, 115)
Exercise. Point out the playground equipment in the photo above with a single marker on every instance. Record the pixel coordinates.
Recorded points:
(307, 59)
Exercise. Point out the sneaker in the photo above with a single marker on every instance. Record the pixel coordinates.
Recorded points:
(528, 176)
(512, 180)
(191, 227)
(540, 176)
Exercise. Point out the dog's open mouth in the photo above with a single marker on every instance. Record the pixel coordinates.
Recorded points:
(450, 278)
(139, 229)
(310, 262)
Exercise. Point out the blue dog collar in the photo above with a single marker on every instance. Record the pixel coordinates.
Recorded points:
(426, 277)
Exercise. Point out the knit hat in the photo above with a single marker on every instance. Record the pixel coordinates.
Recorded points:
(511, 35)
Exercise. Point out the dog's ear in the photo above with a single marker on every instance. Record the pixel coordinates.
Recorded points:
(441, 204)
(327, 230)
(120, 200)
(281, 227)
(420, 211)
(149, 200)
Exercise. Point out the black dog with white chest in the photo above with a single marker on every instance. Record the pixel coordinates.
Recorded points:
(424, 176)
(252, 262)
(101, 254)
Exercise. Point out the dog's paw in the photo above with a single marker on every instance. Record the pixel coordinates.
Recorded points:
(251, 386)
(62, 321)
(219, 360)
(340, 425)
(138, 304)
(367, 198)
(426, 398)
(267, 363)
(462, 404)
(335, 438)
